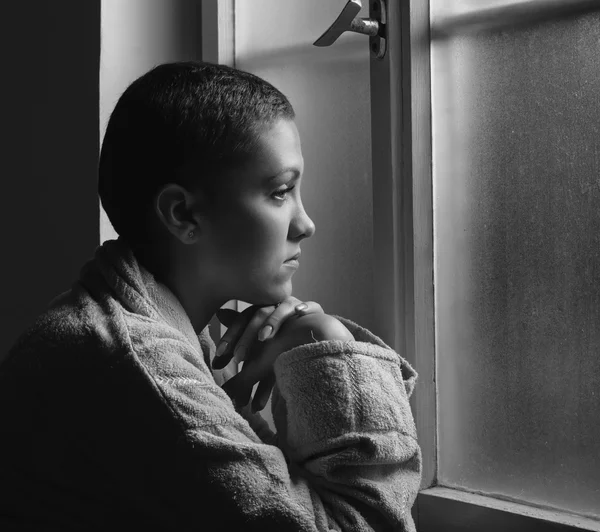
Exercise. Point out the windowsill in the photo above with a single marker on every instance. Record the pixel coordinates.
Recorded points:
(468, 510)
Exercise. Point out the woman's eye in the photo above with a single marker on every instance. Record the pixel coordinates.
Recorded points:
(281, 195)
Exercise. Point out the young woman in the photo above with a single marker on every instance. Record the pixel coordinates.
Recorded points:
(110, 415)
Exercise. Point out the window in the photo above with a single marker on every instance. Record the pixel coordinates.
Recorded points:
(486, 212)
(494, 140)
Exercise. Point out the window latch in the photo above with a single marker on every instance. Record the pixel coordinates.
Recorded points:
(374, 27)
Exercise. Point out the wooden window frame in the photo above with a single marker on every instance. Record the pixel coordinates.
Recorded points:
(403, 258)
(218, 46)
(218, 31)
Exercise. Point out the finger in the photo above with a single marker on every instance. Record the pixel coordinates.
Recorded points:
(273, 322)
(229, 340)
(227, 316)
(248, 338)
(232, 386)
(288, 308)
(308, 307)
(263, 392)
(253, 371)
(238, 390)
(284, 311)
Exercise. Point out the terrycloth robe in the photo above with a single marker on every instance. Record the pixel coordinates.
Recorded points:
(111, 419)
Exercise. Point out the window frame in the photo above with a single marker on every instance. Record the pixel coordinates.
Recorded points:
(218, 46)
(403, 243)
(404, 262)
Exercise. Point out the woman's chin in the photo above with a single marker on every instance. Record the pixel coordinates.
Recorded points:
(271, 297)
(265, 290)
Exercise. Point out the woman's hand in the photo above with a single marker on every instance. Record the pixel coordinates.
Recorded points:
(298, 328)
(255, 323)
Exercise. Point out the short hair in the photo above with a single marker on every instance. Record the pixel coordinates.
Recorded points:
(186, 123)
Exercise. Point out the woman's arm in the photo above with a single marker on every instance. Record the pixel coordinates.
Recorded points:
(318, 327)
(344, 425)
(342, 413)
(289, 329)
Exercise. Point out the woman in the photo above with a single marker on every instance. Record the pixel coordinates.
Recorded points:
(111, 417)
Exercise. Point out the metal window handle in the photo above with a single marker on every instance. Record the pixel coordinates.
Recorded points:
(375, 28)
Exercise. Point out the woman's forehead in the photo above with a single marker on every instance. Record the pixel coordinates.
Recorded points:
(278, 152)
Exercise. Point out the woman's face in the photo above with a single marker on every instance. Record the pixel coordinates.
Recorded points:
(259, 222)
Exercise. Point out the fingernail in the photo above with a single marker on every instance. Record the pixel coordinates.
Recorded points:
(239, 353)
(265, 332)
(221, 349)
(301, 307)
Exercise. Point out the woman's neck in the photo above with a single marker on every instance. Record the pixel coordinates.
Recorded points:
(177, 276)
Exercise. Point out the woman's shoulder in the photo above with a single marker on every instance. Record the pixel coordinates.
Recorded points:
(72, 323)
(98, 340)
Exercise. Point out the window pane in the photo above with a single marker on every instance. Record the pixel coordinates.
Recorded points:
(516, 134)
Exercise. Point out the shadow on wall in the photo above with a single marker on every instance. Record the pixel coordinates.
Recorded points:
(50, 130)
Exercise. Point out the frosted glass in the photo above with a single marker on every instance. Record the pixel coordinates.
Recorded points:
(516, 140)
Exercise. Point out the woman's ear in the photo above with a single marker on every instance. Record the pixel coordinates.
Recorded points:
(177, 209)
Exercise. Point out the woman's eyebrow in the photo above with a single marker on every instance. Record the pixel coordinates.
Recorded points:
(290, 169)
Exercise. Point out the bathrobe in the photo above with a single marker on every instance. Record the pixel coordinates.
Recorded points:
(111, 419)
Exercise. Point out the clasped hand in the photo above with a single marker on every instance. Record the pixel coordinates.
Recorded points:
(258, 335)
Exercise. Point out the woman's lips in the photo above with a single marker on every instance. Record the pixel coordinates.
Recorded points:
(295, 257)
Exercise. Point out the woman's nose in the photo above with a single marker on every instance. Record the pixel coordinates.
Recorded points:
(302, 225)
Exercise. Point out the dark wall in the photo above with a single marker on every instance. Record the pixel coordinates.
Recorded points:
(49, 220)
